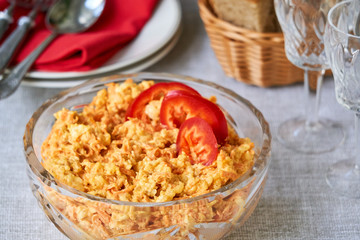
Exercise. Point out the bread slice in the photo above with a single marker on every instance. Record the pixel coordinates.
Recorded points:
(256, 15)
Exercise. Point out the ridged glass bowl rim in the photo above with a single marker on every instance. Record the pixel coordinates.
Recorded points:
(258, 171)
(331, 23)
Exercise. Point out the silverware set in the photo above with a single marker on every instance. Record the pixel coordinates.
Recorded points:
(63, 17)
(24, 25)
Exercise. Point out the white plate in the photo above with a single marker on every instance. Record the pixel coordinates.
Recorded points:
(145, 63)
(157, 32)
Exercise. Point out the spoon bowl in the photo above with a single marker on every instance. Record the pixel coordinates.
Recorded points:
(63, 17)
(74, 16)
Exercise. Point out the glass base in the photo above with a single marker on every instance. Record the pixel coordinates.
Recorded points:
(344, 178)
(321, 137)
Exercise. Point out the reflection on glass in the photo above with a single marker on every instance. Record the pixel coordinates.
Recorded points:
(343, 49)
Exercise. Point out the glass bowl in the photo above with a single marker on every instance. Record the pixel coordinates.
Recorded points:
(79, 215)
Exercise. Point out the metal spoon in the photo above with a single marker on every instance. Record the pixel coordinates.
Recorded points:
(63, 17)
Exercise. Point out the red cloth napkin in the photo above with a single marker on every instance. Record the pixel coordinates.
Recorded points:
(120, 22)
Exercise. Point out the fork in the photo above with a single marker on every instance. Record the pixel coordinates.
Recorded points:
(25, 23)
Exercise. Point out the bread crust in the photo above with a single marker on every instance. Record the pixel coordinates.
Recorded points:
(256, 15)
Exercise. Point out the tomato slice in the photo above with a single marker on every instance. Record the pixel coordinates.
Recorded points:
(177, 106)
(155, 92)
(197, 139)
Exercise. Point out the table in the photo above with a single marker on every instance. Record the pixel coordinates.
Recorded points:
(296, 203)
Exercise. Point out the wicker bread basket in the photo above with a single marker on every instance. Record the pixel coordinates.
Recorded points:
(248, 56)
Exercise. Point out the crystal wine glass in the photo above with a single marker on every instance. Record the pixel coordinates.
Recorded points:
(342, 44)
(303, 24)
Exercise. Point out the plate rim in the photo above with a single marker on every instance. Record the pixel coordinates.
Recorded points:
(145, 63)
(33, 75)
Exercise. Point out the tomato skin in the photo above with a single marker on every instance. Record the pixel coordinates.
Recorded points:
(177, 106)
(155, 92)
(197, 139)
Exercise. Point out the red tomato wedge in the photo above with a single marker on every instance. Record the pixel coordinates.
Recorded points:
(155, 92)
(196, 138)
(178, 105)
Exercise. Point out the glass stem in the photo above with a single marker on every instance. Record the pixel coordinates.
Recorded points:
(357, 141)
(312, 102)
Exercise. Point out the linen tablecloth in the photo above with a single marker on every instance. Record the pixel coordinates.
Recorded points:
(296, 203)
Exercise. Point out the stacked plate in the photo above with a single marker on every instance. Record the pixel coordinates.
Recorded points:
(155, 40)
